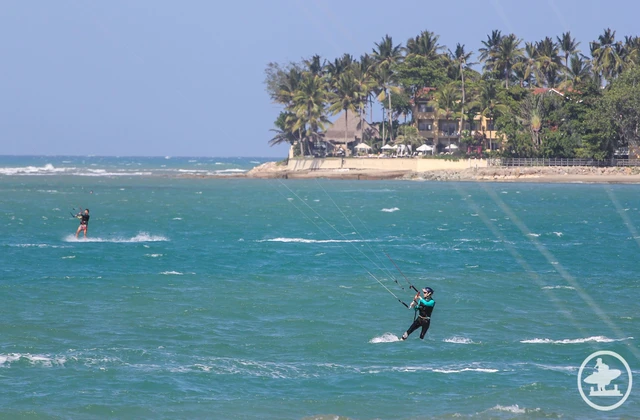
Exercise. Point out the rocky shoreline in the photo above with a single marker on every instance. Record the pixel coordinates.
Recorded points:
(569, 174)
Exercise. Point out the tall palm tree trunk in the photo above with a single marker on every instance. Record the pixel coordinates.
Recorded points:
(462, 110)
(301, 142)
(390, 122)
(346, 127)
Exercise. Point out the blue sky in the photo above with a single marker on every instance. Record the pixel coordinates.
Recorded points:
(158, 77)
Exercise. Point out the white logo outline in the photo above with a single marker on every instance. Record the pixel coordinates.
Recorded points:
(626, 395)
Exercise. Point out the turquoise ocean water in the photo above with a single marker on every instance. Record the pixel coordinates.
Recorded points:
(239, 298)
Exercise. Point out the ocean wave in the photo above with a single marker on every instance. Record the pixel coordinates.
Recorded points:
(153, 255)
(172, 273)
(515, 409)
(310, 241)
(597, 339)
(140, 237)
(47, 169)
(459, 340)
(224, 171)
(33, 359)
(385, 338)
(559, 287)
(391, 210)
(38, 245)
(557, 368)
(483, 370)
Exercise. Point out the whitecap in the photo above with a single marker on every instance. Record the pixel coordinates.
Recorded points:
(172, 273)
(140, 237)
(535, 235)
(310, 241)
(391, 210)
(597, 339)
(459, 340)
(153, 255)
(34, 359)
(510, 408)
(483, 370)
(230, 171)
(68, 257)
(559, 287)
(385, 338)
(558, 234)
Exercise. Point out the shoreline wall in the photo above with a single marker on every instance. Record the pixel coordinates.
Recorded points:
(383, 164)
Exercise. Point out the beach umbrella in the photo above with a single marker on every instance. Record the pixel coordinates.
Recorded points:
(363, 146)
(388, 147)
(425, 148)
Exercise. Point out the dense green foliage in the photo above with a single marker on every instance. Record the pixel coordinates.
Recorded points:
(545, 98)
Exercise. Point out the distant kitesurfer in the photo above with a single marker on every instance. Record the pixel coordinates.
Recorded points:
(84, 222)
(423, 307)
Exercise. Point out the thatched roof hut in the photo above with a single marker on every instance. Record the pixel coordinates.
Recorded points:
(355, 130)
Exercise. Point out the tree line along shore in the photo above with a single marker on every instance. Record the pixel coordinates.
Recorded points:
(551, 98)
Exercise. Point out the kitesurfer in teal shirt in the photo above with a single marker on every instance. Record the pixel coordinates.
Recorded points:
(423, 307)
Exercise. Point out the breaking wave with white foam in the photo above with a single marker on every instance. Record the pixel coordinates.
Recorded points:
(311, 241)
(459, 340)
(385, 338)
(596, 339)
(140, 237)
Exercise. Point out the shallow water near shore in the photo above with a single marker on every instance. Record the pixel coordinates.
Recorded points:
(244, 298)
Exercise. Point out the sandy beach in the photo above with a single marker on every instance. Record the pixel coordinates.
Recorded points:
(555, 174)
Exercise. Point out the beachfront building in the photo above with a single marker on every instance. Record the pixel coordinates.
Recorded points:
(340, 141)
(444, 133)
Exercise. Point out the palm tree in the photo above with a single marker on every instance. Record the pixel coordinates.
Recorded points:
(314, 65)
(490, 47)
(309, 108)
(424, 45)
(461, 58)
(409, 135)
(569, 47)
(386, 55)
(631, 50)
(532, 113)
(445, 103)
(365, 82)
(606, 58)
(526, 68)
(339, 66)
(367, 69)
(346, 96)
(506, 56)
(284, 130)
(578, 72)
(548, 61)
(489, 105)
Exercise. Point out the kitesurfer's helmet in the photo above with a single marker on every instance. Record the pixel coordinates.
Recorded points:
(427, 290)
